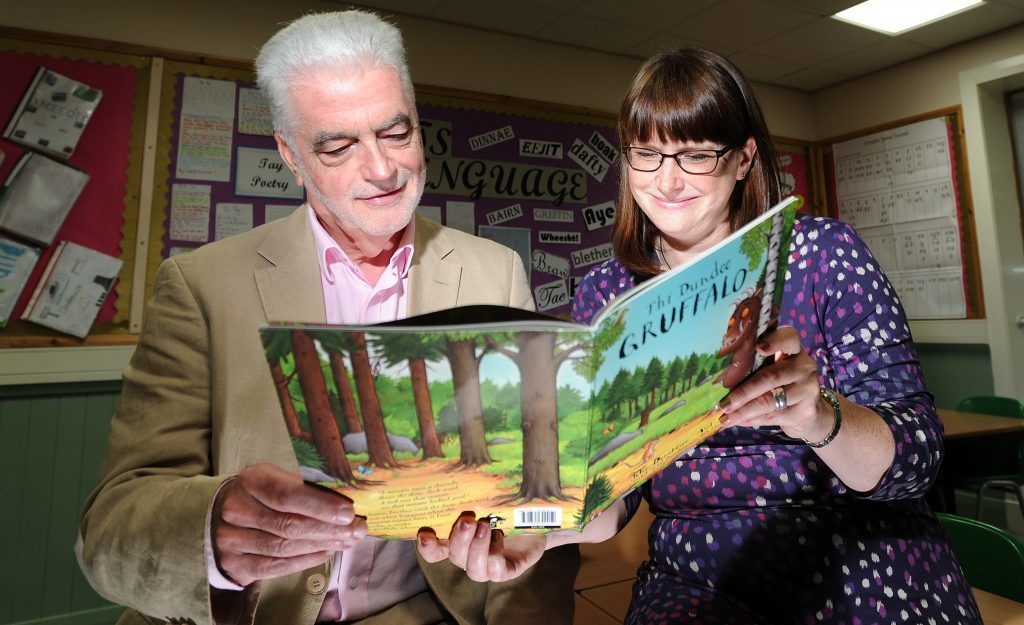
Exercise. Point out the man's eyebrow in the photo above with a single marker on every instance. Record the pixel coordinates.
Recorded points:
(324, 137)
(398, 120)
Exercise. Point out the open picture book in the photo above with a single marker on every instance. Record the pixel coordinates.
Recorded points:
(533, 422)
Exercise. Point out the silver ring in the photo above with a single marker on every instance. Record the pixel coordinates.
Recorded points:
(779, 394)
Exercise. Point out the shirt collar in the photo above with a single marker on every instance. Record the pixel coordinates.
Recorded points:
(328, 252)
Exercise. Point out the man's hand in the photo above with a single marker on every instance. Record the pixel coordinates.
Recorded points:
(485, 554)
(267, 523)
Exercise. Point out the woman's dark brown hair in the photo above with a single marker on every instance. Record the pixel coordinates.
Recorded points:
(691, 94)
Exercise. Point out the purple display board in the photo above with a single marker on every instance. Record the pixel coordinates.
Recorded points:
(540, 182)
(544, 187)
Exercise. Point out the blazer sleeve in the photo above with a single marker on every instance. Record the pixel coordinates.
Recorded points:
(141, 532)
(520, 294)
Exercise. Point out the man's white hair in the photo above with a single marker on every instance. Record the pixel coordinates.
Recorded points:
(338, 40)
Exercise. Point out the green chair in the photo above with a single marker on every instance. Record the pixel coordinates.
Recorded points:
(992, 558)
(1004, 456)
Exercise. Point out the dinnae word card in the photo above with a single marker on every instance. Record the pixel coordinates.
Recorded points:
(897, 188)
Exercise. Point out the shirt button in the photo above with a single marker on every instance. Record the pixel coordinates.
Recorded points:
(316, 584)
(353, 582)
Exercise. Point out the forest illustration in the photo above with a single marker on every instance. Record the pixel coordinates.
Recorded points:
(508, 418)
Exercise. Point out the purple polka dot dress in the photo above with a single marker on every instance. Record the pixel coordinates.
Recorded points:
(752, 527)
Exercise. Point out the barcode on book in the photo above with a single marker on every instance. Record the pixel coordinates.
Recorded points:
(537, 517)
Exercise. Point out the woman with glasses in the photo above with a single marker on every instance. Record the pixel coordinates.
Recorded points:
(808, 505)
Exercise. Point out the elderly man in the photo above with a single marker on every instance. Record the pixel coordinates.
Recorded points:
(200, 514)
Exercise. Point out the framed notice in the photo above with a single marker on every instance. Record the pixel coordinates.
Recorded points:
(900, 187)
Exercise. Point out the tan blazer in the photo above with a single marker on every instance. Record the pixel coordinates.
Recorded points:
(198, 405)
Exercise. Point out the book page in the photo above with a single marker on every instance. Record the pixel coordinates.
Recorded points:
(205, 130)
(534, 425)
(53, 114)
(73, 289)
(16, 263)
(675, 348)
(38, 197)
(896, 188)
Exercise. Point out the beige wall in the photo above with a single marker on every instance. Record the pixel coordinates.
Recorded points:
(925, 84)
(439, 54)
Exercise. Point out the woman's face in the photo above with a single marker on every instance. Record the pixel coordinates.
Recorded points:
(690, 210)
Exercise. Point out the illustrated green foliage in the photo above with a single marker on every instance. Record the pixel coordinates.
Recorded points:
(306, 454)
(755, 243)
(598, 492)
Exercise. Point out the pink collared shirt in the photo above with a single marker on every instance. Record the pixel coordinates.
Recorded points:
(389, 567)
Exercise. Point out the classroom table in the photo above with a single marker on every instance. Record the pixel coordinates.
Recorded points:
(958, 426)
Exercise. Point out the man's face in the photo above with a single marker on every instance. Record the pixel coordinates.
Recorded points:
(355, 146)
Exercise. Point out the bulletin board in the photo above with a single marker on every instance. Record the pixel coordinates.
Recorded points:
(799, 163)
(904, 186)
(537, 178)
(109, 151)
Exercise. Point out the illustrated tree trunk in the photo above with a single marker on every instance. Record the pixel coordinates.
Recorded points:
(322, 424)
(345, 398)
(369, 403)
(466, 380)
(539, 399)
(291, 419)
(645, 417)
(424, 411)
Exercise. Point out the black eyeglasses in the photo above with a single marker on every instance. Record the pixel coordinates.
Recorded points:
(698, 162)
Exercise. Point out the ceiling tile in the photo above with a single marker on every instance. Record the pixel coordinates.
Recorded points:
(508, 16)
(972, 23)
(761, 68)
(663, 41)
(818, 7)
(822, 39)
(875, 57)
(810, 79)
(593, 33)
(561, 5)
(738, 23)
(647, 14)
(405, 7)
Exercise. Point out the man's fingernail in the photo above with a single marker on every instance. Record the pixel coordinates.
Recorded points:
(723, 404)
(724, 419)
(482, 528)
(497, 535)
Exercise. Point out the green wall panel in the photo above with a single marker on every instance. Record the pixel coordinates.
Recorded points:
(953, 372)
(52, 441)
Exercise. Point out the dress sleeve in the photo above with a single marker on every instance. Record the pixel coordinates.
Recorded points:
(866, 352)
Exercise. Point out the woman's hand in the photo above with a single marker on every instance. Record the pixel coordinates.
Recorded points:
(784, 393)
(484, 553)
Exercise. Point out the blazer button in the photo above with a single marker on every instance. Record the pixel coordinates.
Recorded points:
(316, 584)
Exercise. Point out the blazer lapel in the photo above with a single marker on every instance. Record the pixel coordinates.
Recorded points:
(434, 275)
(289, 282)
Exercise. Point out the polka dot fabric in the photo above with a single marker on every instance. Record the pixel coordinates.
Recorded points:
(751, 527)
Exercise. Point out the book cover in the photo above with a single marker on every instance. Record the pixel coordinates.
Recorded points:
(38, 196)
(16, 263)
(53, 113)
(533, 422)
(72, 289)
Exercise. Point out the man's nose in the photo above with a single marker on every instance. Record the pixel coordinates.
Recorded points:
(377, 162)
